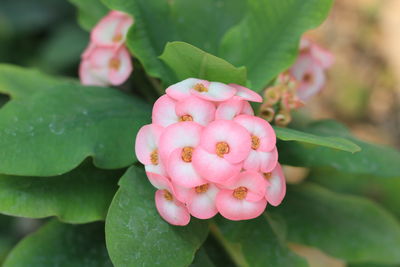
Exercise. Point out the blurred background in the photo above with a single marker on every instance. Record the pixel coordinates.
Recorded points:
(363, 89)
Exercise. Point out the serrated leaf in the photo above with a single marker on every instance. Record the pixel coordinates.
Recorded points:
(137, 235)
(376, 160)
(200, 23)
(256, 242)
(339, 143)
(89, 12)
(188, 61)
(53, 130)
(57, 244)
(266, 41)
(347, 227)
(80, 196)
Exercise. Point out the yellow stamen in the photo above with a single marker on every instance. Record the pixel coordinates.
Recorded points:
(114, 63)
(200, 88)
(116, 38)
(187, 153)
(240, 193)
(202, 188)
(267, 175)
(167, 195)
(255, 142)
(186, 118)
(154, 157)
(222, 148)
(308, 78)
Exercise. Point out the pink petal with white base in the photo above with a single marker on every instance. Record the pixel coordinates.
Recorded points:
(202, 202)
(246, 93)
(88, 51)
(160, 181)
(164, 111)
(226, 139)
(158, 168)
(91, 76)
(170, 209)
(195, 109)
(212, 167)
(179, 135)
(112, 29)
(261, 161)
(231, 108)
(120, 66)
(147, 142)
(253, 181)
(236, 209)
(215, 91)
(181, 172)
(277, 189)
(259, 128)
(181, 90)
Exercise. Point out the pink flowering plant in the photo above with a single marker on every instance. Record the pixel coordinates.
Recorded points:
(179, 141)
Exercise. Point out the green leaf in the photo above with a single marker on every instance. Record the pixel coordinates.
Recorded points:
(57, 244)
(20, 82)
(202, 259)
(339, 143)
(80, 196)
(255, 243)
(383, 191)
(200, 23)
(373, 159)
(188, 61)
(53, 130)
(89, 12)
(137, 235)
(266, 41)
(347, 227)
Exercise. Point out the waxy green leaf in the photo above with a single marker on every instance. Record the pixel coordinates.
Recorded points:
(137, 235)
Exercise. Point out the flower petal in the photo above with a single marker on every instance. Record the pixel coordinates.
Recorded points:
(277, 189)
(259, 128)
(181, 90)
(201, 111)
(216, 91)
(202, 205)
(179, 135)
(164, 111)
(146, 142)
(253, 181)
(237, 138)
(91, 76)
(159, 181)
(212, 167)
(268, 160)
(120, 73)
(236, 209)
(246, 93)
(229, 109)
(173, 211)
(183, 173)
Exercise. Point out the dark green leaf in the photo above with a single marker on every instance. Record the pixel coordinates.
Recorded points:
(255, 243)
(202, 260)
(53, 130)
(57, 244)
(383, 191)
(188, 61)
(338, 143)
(266, 41)
(200, 23)
(346, 227)
(89, 12)
(373, 159)
(82, 195)
(137, 235)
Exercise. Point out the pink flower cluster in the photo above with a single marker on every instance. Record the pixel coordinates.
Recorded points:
(106, 61)
(206, 152)
(309, 68)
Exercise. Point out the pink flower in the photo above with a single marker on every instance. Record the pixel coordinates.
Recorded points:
(276, 189)
(200, 200)
(233, 107)
(223, 146)
(112, 29)
(178, 143)
(243, 197)
(263, 154)
(147, 148)
(103, 66)
(212, 91)
(168, 206)
(167, 111)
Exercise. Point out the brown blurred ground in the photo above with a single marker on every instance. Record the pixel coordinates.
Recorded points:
(363, 87)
